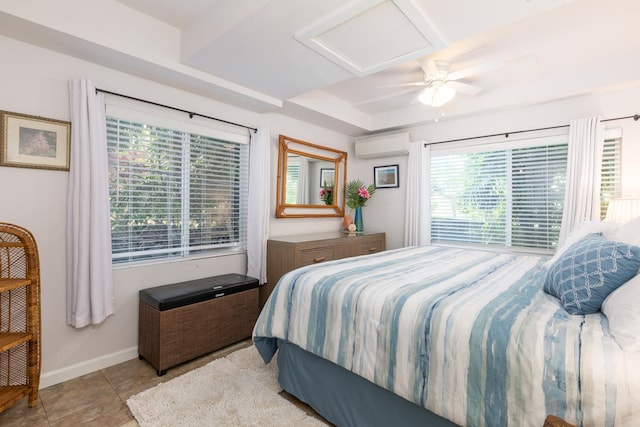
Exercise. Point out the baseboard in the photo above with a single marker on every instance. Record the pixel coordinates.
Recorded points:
(74, 371)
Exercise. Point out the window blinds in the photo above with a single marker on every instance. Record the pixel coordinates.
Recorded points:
(509, 197)
(611, 180)
(293, 171)
(508, 194)
(174, 193)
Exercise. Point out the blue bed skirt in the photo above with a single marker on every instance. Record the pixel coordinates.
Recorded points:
(343, 398)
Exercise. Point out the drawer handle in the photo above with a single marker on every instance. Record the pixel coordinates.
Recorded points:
(373, 249)
(319, 259)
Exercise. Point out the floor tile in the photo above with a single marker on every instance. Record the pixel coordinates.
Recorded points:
(132, 377)
(86, 400)
(20, 415)
(99, 398)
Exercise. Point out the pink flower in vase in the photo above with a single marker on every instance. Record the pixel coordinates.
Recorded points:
(362, 192)
(326, 194)
(357, 194)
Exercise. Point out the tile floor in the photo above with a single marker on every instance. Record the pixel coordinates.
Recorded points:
(98, 398)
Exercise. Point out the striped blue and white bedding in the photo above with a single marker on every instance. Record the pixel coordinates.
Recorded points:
(467, 334)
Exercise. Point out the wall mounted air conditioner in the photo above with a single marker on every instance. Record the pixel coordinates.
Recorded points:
(383, 145)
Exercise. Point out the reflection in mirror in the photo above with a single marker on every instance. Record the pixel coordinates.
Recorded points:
(305, 180)
(311, 180)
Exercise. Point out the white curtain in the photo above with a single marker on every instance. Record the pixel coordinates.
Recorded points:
(259, 204)
(303, 181)
(584, 165)
(89, 274)
(416, 224)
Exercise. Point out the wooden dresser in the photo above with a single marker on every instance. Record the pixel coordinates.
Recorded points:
(290, 252)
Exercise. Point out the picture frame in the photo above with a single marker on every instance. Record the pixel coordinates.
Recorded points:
(386, 176)
(34, 142)
(327, 175)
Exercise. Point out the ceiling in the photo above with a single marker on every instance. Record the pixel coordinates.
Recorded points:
(331, 62)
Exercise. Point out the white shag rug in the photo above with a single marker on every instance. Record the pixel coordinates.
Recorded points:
(237, 390)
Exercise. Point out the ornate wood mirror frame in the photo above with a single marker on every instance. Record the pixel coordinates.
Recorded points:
(304, 170)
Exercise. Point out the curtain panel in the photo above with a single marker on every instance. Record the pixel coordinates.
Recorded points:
(416, 222)
(303, 181)
(259, 204)
(90, 298)
(584, 167)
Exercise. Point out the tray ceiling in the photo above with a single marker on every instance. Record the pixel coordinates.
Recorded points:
(339, 64)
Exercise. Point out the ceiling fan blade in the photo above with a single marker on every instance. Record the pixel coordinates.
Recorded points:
(476, 69)
(429, 67)
(464, 88)
(403, 85)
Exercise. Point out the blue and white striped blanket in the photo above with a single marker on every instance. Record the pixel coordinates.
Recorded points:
(467, 334)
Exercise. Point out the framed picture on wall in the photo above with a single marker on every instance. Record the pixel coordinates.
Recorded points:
(386, 176)
(34, 142)
(327, 177)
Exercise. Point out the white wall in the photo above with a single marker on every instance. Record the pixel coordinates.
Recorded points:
(34, 81)
(385, 211)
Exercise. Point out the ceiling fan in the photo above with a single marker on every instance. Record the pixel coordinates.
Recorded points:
(442, 86)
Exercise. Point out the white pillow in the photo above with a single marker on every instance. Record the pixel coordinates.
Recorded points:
(580, 232)
(622, 308)
(629, 232)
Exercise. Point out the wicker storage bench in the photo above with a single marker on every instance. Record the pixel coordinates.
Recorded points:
(186, 320)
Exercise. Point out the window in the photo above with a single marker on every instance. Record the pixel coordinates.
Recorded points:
(172, 192)
(293, 170)
(611, 182)
(509, 194)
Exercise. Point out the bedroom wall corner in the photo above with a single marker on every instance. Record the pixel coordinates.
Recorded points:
(385, 211)
(36, 83)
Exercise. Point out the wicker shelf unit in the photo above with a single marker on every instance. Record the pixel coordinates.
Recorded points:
(19, 316)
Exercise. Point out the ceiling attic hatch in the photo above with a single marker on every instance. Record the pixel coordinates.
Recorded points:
(371, 35)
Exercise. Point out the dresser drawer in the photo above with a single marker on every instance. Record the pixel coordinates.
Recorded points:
(290, 252)
(316, 255)
(371, 246)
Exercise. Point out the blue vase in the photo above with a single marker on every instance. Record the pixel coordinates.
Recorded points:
(358, 219)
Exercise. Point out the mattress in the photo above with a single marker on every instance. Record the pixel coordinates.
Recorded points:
(467, 334)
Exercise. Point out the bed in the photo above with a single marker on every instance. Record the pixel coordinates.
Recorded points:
(443, 336)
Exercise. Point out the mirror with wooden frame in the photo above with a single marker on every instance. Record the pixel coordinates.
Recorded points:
(311, 180)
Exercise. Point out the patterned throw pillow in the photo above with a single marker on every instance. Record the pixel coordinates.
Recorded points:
(589, 270)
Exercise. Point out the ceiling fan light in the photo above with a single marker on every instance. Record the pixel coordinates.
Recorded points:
(441, 95)
(436, 96)
(426, 96)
